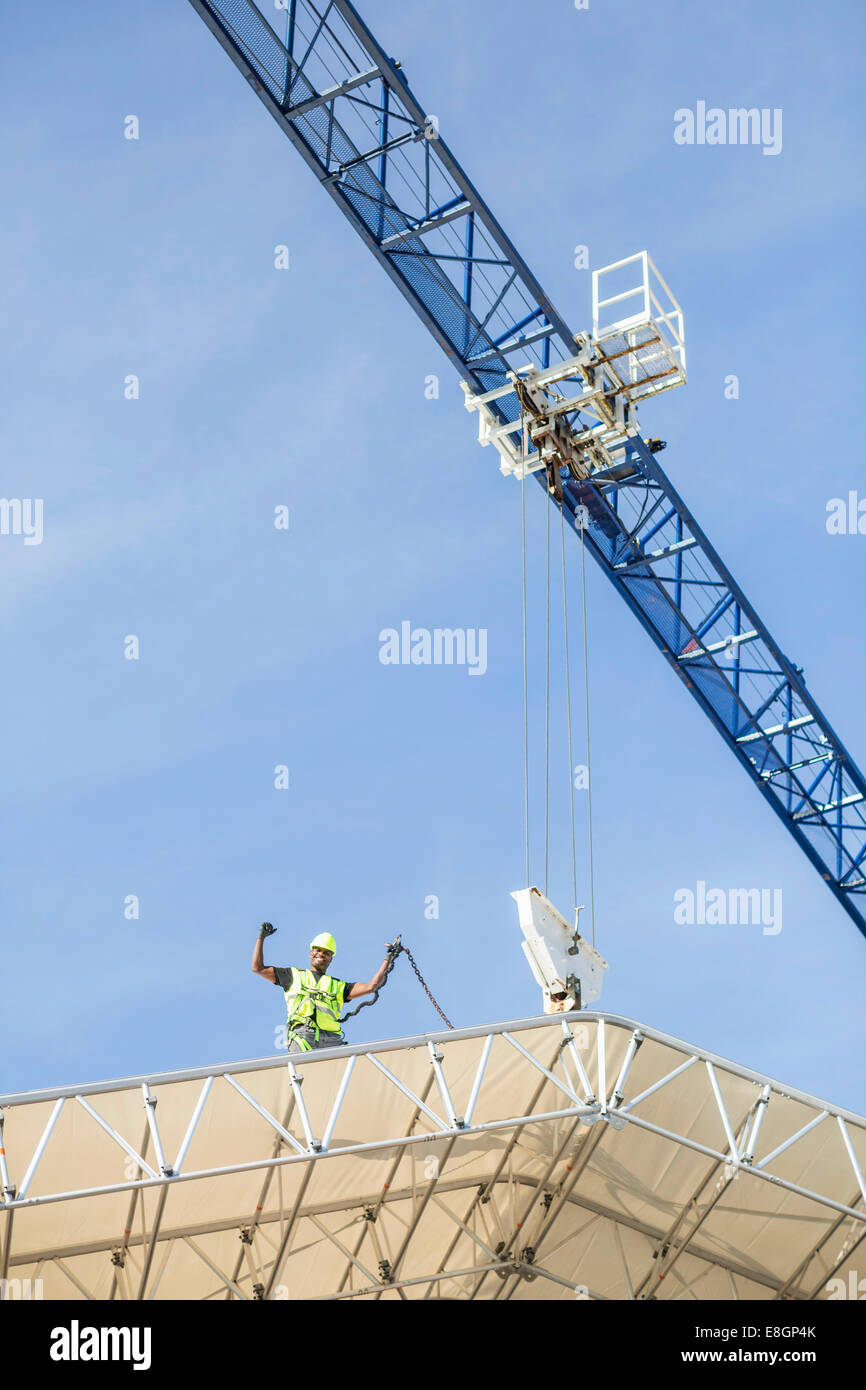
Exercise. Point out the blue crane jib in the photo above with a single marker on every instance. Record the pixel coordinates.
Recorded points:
(557, 405)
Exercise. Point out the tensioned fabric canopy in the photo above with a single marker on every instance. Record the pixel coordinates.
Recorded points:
(571, 1156)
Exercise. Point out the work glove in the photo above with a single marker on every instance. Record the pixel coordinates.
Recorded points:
(266, 930)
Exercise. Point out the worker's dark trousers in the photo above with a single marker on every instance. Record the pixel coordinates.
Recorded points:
(309, 1035)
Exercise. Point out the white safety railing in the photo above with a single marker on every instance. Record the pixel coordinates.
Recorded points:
(648, 342)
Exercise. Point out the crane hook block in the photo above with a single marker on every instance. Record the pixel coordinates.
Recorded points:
(568, 969)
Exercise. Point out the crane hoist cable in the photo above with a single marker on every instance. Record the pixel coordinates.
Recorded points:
(525, 690)
(582, 523)
(528, 407)
(547, 714)
(523, 425)
(568, 716)
(394, 950)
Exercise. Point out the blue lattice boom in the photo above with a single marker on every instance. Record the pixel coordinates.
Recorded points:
(348, 110)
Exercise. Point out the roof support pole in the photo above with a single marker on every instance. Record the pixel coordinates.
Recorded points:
(404, 1246)
(169, 1246)
(663, 1264)
(483, 1192)
(436, 1059)
(849, 1148)
(748, 1153)
(617, 1240)
(191, 1127)
(7, 1247)
(588, 1093)
(128, 1228)
(780, 1149)
(585, 1153)
(5, 1184)
(265, 1187)
(651, 1090)
(335, 1111)
(296, 1082)
(464, 1228)
(151, 1245)
(150, 1110)
(732, 1143)
(753, 1171)
(40, 1147)
(479, 1078)
(215, 1269)
(554, 1081)
(440, 1124)
(266, 1115)
(320, 1226)
(635, 1041)
(118, 1138)
(411, 1283)
(601, 1054)
(848, 1248)
(566, 1283)
(282, 1253)
(7, 1191)
(377, 1207)
(73, 1279)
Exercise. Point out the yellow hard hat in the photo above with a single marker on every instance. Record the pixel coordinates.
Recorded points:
(325, 941)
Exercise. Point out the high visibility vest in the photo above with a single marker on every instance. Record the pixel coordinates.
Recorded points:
(314, 1003)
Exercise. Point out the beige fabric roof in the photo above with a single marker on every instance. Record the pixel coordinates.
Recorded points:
(545, 1192)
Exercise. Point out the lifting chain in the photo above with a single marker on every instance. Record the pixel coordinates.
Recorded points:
(423, 985)
(393, 952)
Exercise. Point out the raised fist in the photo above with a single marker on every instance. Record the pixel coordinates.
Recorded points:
(266, 930)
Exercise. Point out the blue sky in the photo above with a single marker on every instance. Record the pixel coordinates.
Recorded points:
(306, 388)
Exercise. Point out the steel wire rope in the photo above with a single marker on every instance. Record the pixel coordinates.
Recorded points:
(568, 710)
(525, 687)
(582, 518)
(547, 713)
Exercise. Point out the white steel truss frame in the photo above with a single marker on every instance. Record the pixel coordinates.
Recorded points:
(522, 1231)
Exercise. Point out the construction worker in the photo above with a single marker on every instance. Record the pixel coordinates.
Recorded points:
(314, 999)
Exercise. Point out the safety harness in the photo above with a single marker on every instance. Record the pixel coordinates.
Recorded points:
(313, 1007)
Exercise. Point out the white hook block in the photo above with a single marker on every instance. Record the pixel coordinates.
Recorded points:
(568, 969)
